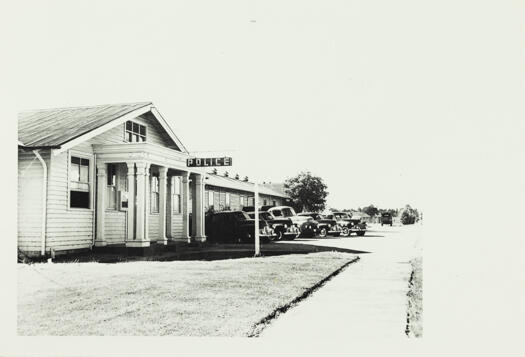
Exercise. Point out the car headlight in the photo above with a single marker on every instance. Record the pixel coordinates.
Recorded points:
(285, 226)
(329, 226)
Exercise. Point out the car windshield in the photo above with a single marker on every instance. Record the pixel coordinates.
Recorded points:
(265, 215)
(277, 213)
(288, 212)
(341, 216)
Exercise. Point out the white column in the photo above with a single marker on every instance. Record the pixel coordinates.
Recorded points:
(163, 176)
(198, 212)
(101, 204)
(141, 238)
(147, 198)
(131, 202)
(185, 206)
(169, 207)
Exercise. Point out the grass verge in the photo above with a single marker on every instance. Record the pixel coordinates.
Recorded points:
(415, 300)
(180, 298)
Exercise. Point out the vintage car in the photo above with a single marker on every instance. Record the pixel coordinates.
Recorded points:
(282, 227)
(358, 226)
(348, 224)
(307, 225)
(386, 218)
(325, 226)
(234, 227)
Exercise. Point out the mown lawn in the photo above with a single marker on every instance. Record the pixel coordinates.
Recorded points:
(180, 298)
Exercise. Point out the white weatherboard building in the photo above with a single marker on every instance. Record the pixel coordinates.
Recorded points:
(113, 175)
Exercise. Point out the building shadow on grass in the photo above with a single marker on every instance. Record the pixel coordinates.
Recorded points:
(205, 252)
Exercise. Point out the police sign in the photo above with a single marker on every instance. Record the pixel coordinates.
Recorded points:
(209, 161)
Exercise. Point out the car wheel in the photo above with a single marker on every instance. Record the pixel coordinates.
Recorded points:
(279, 235)
(322, 232)
(345, 232)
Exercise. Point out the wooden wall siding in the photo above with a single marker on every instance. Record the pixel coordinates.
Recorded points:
(158, 134)
(30, 177)
(66, 228)
(155, 135)
(115, 227)
(176, 226)
(153, 227)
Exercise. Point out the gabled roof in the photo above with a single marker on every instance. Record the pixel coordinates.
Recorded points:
(228, 182)
(54, 128)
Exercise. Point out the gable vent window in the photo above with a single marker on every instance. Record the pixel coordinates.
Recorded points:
(79, 183)
(135, 133)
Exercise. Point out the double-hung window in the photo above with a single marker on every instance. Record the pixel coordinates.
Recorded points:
(135, 132)
(210, 199)
(175, 201)
(154, 194)
(111, 187)
(79, 185)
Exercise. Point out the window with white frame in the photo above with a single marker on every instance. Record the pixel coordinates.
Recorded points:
(111, 191)
(135, 132)
(79, 184)
(227, 199)
(251, 201)
(210, 199)
(154, 201)
(176, 189)
(216, 198)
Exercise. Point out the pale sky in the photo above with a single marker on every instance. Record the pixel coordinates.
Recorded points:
(362, 93)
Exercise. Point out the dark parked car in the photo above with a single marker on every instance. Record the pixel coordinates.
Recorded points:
(307, 225)
(349, 224)
(343, 220)
(386, 218)
(358, 226)
(235, 226)
(282, 227)
(325, 226)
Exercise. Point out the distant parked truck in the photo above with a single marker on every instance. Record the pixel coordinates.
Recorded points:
(386, 218)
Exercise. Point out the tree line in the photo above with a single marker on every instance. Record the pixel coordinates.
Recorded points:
(308, 194)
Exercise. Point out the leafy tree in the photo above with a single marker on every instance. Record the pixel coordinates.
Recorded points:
(409, 215)
(308, 192)
(370, 210)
